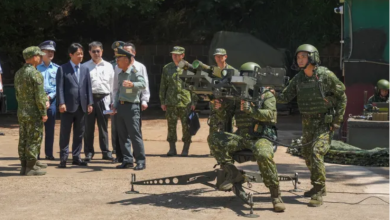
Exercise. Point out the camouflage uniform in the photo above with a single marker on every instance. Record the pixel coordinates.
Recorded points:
(177, 100)
(377, 98)
(313, 105)
(32, 99)
(222, 121)
(223, 144)
(256, 121)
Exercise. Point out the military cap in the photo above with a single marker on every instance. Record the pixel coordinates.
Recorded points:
(123, 53)
(219, 51)
(117, 44)
(32, 51)
(178, 50)
(48, 45)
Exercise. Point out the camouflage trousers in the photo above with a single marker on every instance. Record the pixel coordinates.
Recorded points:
(30, 139)
(173, 114)
(223, 144)
(217, 124)
(316, 131)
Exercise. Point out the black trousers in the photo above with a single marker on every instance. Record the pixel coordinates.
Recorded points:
(102, 121)
(77, 119)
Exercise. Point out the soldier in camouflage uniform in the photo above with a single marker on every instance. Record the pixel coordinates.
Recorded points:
(381, 92)
(254, 121)
(322, 102)
(224, 121)
(176, 101)
(32, 105)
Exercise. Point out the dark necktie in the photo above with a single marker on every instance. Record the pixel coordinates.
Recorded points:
(77, 72)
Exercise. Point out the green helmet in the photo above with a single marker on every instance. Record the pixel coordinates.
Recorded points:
(382, 84)
(249, 66)
(313, 54)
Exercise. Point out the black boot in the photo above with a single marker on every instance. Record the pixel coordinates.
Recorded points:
(172, 149)
(186, 147)
(107, 155)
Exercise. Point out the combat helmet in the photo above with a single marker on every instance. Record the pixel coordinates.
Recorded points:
(382, 84)
(313, 55)
(248, 68)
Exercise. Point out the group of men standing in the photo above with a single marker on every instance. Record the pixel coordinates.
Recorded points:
(82, 92)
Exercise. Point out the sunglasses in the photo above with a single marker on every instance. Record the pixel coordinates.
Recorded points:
(96, 51)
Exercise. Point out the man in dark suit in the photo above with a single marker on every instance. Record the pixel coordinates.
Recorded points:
(74, 96)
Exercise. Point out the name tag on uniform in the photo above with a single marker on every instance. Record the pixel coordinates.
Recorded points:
(129, 90)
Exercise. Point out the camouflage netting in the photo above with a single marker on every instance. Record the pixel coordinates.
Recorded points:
(342, 153)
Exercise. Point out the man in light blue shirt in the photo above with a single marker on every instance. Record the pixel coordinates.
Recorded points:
(49, 72)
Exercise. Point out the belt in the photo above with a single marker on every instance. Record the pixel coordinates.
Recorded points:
(319, 115)
(125, 102)
(100, 95)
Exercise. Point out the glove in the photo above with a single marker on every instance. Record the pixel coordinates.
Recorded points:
(245, 106)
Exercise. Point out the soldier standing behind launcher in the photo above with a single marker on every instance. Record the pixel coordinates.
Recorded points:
(321, 101)
(225, 122)
(32, 105)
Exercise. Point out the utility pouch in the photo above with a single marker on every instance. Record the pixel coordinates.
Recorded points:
(328, 119)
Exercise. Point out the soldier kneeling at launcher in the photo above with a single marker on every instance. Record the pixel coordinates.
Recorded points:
(255, 121)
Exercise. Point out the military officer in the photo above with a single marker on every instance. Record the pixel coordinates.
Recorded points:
(176, 101)
(321, 101)
(49, 73)
(381, 92)
(32, 105)
(126, 104)
(255, 123)
(114, 134)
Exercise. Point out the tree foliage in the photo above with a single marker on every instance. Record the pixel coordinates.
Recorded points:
(281, 23)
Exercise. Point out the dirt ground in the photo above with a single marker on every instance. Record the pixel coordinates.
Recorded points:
(98, 191)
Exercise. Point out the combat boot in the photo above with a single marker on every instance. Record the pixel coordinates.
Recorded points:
(311, 192)
(277, 199)
(172, 149)
(186, 148)
(23, 169)
(232, 175)
(316, 198)
(32, 169)
(40, 164)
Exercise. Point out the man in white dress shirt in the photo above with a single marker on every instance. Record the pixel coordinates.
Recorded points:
(145, 94)
(102, 79)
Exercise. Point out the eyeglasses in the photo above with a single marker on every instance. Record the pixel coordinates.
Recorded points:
(95, 51)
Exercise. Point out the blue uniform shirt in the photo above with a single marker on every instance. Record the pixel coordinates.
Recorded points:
(49, 74)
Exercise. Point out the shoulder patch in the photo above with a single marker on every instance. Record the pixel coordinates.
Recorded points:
(37, 77)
